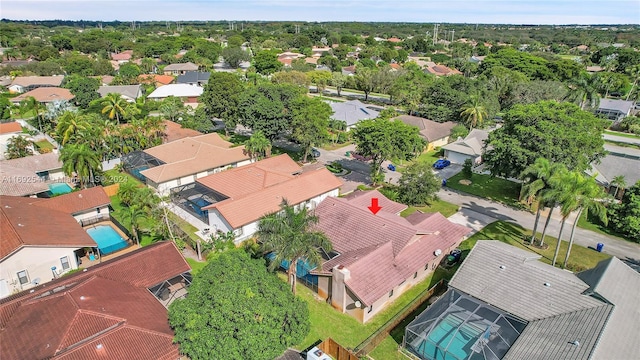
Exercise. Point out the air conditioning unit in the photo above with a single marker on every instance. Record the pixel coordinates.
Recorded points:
(317, 354)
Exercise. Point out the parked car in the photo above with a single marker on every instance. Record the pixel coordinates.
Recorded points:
(441, 164)
(315, 152)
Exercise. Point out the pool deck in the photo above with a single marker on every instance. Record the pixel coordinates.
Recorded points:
(88, 263)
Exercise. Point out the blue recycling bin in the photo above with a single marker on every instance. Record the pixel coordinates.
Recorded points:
(599, 247)
(444, 182)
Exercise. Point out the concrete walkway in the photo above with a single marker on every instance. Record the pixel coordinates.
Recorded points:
(622, 139)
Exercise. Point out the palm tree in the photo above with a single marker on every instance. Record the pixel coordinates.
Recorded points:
(289, 236)
(474, 113)
(134, 215)
(634, 72)
(538, 175)
(583, 89)
(589, 197)
(82, 161)
(114, 106)
(31, 103)
(619, 182)
(69, 125)
(258, 146)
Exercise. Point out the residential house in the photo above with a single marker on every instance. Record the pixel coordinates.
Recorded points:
(318, 52)
(503, 303)
(122, 57)
(394, 40)
(5, 81)
(395, 66)
(477, 59)
(115, 310)
(441, 70)
(8, 131)
(180, 69)
(23, 84)
(174, 131)
(619, 161)
(128, 92)
(198, 78)
(45, 95)
(156, 79)
(594, 69)
(349, 70)
(182, 161)
(42, 238)
(287, 57)
(189, 94)
(376, 258)
(418, 60)
(468, 148)
(236, 199)
(436, 134)
(105, 80)
(351, 112)
(28, 176)
(613, 109)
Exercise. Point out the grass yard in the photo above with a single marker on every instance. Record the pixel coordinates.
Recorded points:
(588, 222)
(43, 146)
(114, 176)
(428, 157)
(622, 134)
(489, 187)
(196, 266)
(333, 146)
(581, 259)
(445, 208)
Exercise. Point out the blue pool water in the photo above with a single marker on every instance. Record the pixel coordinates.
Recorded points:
(446, 333)
(59, 188)
(107, 238)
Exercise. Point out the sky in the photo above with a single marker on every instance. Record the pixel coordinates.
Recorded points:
(546, 12)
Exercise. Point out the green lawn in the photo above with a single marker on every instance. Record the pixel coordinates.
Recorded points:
(196, 266)
(588, 222)
(445, 208)
(428, 157)
(627, 135)
(44, 146)
(489, 187)
(114, 176)
(581, 259)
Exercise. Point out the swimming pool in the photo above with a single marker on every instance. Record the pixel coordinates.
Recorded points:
(59, 188)
(107, 238)
(450, 336)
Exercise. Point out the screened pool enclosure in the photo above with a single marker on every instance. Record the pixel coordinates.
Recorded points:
(194, 198)
(138, 161)
(458, 327)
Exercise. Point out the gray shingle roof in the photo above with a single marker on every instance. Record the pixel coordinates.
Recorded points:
(471, 145)
(620, 161)
(130, 91)
(352, 111)
(188, 66)
(191, 77)
(429, 129)
(616, 105)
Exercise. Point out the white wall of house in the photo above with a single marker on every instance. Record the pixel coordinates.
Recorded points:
(92, 213)
(163, 188)
(37, 261)
(456, 157)
(56, 174)
(440, 142)
(16, 89)
(218, 222)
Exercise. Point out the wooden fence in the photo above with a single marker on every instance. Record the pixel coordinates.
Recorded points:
(111, 190)
(336, 350)
(376, 338)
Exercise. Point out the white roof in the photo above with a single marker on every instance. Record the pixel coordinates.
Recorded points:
(177, 90)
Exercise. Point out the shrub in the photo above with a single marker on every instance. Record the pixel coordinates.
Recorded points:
(467, 169)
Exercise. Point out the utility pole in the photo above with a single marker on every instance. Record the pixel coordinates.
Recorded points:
(452, 34)
(435, 34)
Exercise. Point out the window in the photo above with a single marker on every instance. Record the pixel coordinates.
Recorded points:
(98, 210)
(65, 263)
(23, 277)
(391, 293)
(415, 274)
(370, 309)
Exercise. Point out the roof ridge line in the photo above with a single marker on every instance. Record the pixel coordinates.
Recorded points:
(73, 347)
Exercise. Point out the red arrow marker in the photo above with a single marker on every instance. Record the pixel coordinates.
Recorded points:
(374, 206)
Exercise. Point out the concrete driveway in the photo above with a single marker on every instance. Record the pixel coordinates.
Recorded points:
(449, 171)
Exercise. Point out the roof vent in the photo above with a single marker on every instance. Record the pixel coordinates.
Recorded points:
(575, 342)
(82, 297)
(547, 284)
(437, 252)
(502, 267)
(7, 207)
(20, 225)
(80, 196)
(99, 346)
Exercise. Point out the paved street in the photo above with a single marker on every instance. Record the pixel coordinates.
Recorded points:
(621, 139)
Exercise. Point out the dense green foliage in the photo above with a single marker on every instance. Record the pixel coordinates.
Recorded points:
(559, 132)
(625, 216)
(84, 89)
(18, 147)
(418, 185)
(236, 309)
(309, 123)
(221, 98)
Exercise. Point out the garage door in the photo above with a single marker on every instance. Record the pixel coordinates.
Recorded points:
(456, 157)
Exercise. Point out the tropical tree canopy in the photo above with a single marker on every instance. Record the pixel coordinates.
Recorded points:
(81, 161)
(236, 309)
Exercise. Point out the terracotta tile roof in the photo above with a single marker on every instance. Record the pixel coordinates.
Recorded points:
(45, 95)
(440, 70)
(25, 223)
(10, 127)
(125, 55)
(251, 207)
(69, 317)
(156, 79)
(394, 40)
(254, 177)
(25, 81)
(192, 155)
(395, 66)
(429, 129)
(36, 163)
(382, 250)
(174, 131)
(78, 201)
(363, 199)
